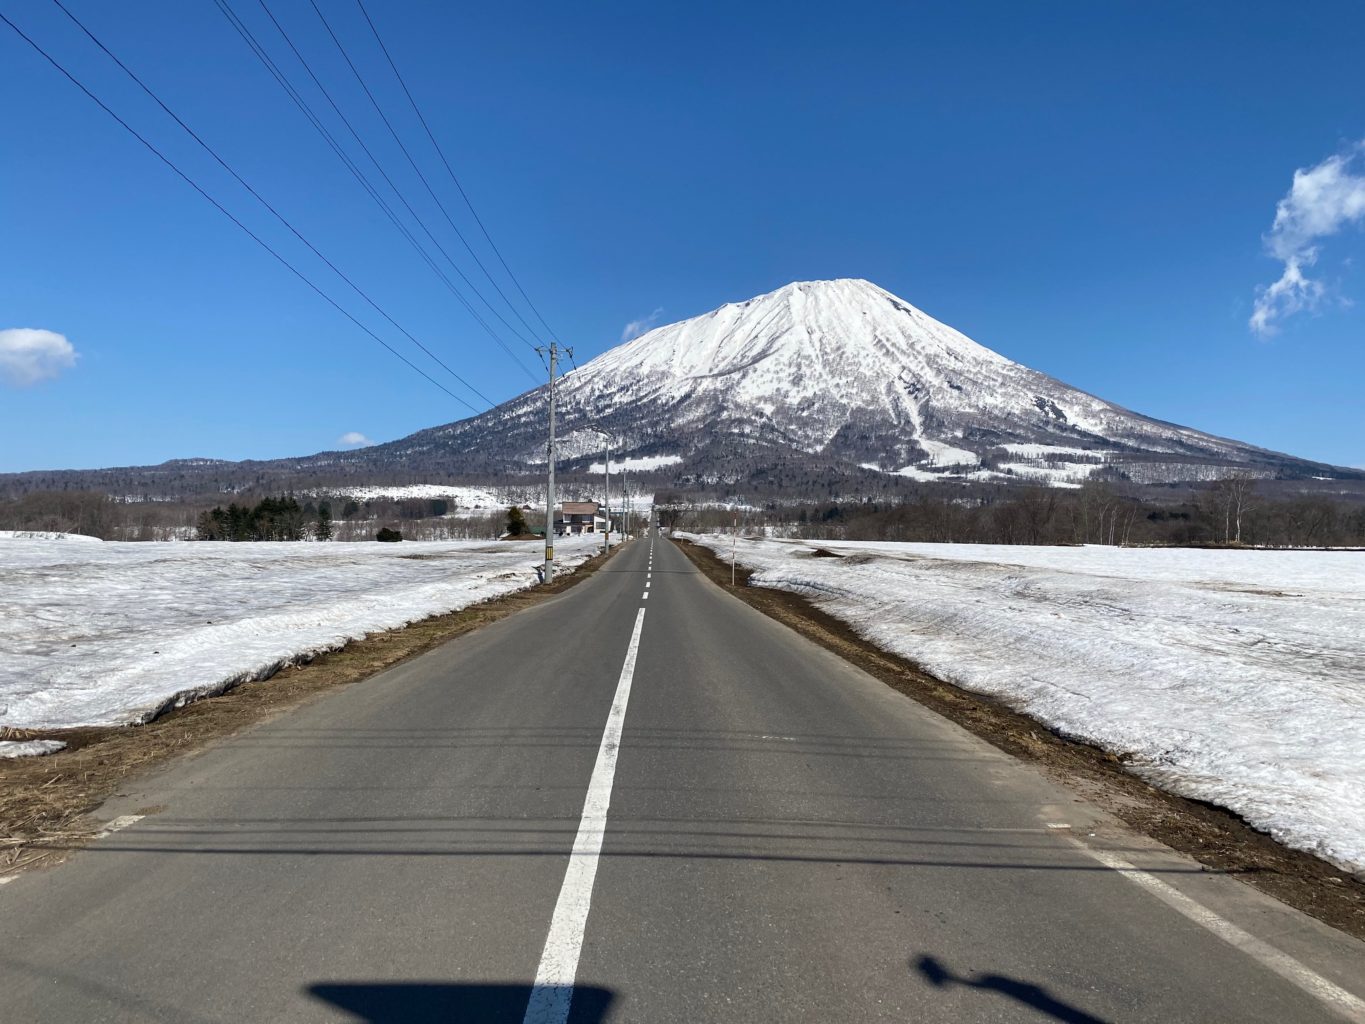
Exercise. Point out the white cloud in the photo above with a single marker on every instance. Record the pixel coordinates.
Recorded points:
(28, 355)
(354, 439)
(636, 328)
(1323, 200)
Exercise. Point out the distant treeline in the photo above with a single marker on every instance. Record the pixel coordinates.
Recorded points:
(98, 515)
(281, 518)
(1237, 510)
(1228, 512)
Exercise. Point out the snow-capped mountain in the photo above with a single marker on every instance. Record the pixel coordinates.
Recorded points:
(814, 382)
(845, 371)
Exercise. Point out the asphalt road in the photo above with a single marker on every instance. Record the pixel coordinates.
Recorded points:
(785, 839)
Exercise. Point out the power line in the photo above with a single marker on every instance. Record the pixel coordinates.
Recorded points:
(473, 287)
(343, 156)
(422, 177)
(254, 45)
(261, 199)
(449, 170)
(402, 198)
(224, 211)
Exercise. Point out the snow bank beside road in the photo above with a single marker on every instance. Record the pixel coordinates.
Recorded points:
(1236, 677)
(107, 634)
(29, 748)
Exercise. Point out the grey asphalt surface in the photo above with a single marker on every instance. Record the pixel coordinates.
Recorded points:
(788, 840)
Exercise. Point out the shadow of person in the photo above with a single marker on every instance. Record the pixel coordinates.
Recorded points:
(1024, 992)
(426, 1002)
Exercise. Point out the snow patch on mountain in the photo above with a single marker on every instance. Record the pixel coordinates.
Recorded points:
(641, 464)
(1050, 451)
(941, 454)
(463, 497)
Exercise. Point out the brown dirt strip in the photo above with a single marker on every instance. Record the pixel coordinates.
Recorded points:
(1215, 837)
(43, 800)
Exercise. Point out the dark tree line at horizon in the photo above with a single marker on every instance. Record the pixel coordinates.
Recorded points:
(1257, 512)
(1229, 512)
(270, 519)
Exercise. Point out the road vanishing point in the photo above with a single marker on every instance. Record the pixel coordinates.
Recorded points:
(640, 800)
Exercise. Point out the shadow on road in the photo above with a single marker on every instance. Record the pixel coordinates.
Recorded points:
(1024, 992)
(426, 1002)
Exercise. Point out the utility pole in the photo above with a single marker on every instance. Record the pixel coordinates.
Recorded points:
(606, 486)
(549, 571)
(734, 543)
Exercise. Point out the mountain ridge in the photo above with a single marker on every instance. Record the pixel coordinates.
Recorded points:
(840, 374)
(848, 370)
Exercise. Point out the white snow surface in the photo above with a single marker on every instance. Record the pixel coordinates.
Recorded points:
(46, 535)
(1051, 452)
(943, 454)
(109, 634)
(638, 463)
(467, 497)
(1053, 474)
(30, 748)
(1235, 677)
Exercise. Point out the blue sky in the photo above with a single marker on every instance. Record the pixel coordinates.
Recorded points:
(1087, 188)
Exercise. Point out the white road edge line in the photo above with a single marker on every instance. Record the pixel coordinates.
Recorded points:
(1337, 998)
(118, 824)
(553, 990)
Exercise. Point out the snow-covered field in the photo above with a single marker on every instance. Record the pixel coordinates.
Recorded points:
(105, 634)
(1236, 677)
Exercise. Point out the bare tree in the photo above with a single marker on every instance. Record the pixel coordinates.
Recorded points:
(1233, 499)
